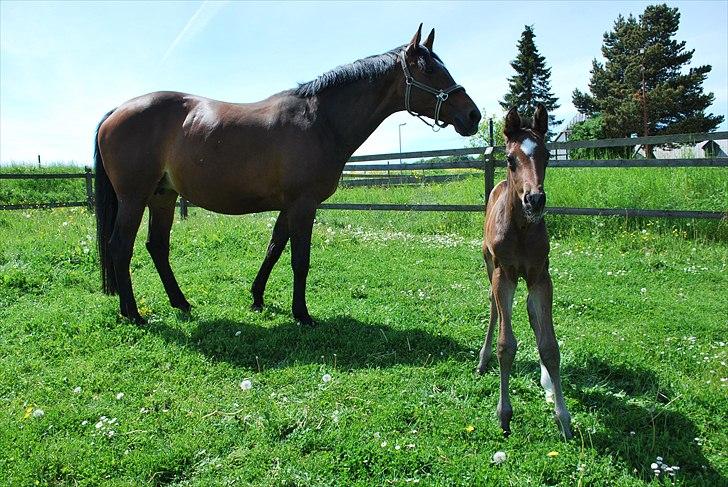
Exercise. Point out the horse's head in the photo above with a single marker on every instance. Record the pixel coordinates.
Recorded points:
(431, 91)
(527, 158)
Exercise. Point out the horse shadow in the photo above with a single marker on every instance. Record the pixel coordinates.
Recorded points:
(639, 420)
(340, 340)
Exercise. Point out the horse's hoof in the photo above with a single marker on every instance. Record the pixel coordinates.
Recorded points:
(307, 322)
(135, 319)
(184, 307)
(256, 307)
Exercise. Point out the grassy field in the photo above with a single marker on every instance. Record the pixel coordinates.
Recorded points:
(88, 399)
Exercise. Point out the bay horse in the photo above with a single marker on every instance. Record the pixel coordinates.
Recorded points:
(283, 153)
(516, 245)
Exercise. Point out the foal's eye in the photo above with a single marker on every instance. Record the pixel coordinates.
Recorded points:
(511, 162)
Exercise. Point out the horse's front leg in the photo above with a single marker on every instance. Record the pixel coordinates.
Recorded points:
(503, 287)
(300, 224)
(540, 297)
(275, 249)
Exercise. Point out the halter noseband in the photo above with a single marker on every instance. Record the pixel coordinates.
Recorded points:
(440, 95)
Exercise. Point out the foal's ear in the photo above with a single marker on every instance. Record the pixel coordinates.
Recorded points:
(430, 39)
(512, 123)
(541, 119)
(415, 42)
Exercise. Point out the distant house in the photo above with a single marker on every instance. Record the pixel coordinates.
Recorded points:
(706, 148)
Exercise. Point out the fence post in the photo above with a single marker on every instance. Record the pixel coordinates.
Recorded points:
(89, 189)
(489, 172)
(490, 132)
(183, 208)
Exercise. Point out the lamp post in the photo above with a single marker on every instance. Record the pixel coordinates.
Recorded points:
(399, 129)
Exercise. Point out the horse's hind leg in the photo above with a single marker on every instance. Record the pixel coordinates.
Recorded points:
(161, 217)
(275, 249)
(487, 350)
(504, 287)
(540, 295)
(121, 246)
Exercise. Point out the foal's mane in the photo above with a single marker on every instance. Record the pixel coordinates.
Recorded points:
(368, 68)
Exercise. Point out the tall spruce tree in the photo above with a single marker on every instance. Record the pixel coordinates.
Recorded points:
(532, 81)
(642, 87)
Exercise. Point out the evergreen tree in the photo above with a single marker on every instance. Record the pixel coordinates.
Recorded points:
(532, 81)
(643, 80)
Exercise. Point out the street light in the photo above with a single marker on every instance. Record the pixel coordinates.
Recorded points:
(400, 140)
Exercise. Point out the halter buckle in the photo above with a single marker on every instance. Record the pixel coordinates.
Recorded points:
(442, 96)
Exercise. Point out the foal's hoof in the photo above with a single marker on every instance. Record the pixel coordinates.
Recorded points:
(184, 307)
(256, 307)
(506, 433)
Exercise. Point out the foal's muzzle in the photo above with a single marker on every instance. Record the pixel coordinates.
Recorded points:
(534, 205)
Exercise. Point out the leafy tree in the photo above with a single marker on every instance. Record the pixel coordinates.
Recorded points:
(482, 136)
(532, 82)
(643, 75)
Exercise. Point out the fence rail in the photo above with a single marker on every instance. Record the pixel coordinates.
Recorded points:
(487, 164)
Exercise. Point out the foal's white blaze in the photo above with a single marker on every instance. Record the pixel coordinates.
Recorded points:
(547, 385)
(528, 146)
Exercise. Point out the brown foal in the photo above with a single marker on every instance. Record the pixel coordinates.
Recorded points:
(516, 245)
(283, 153)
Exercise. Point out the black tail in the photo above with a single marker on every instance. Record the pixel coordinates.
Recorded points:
(106, 208)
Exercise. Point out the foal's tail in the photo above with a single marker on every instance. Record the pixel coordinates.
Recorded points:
(106, 209)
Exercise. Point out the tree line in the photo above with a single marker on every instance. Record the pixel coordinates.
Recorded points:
(641, 87)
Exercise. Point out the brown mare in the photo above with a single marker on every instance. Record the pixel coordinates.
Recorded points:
(284, 153)
(516, 245)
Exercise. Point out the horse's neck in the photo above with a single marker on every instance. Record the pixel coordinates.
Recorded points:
(355, 110)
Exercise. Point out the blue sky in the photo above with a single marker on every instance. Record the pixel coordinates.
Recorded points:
(63, 64)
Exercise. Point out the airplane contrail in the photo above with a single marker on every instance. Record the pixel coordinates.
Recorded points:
(199, 20)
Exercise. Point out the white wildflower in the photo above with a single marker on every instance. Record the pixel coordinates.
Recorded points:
(77, 390)
(499, 457)
(326, 378)
(246, 384)
(38, 413)
(119, 396)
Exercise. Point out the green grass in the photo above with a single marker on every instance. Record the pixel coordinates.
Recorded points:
(401, 301)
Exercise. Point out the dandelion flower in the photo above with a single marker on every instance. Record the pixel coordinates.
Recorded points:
(246, 384)
(552, 454)
(499, 457)
(470, 428)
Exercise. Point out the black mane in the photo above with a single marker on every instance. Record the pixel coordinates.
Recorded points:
(368, 68)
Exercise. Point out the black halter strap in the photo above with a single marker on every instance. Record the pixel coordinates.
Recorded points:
(440, 95)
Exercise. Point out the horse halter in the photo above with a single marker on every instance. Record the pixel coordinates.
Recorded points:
(440, 95)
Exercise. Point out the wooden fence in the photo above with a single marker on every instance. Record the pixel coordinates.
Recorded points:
(487, 164)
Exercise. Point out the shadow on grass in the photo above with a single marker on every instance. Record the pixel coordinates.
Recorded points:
(355, 344)
(648, 409)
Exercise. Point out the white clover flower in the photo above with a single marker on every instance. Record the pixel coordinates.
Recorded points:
(643, 290)
(237, 333)
(246, 384)
(119, 396)
(38, 413)
(77, 390)
(99, 425)
(84, 422)
(397, 447)
(653, 466)
(499, 457)
(326, 378)
(384, 444)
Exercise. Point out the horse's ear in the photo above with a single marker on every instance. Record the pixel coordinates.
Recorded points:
(430, 39)
(415, 42)
(512, 123)
(541, 119)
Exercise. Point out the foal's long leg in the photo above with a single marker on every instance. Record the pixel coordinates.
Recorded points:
(300, 224)
(121, 246)
(503, 289)
(161, 217)
(275, 249)
(540, 296)
(487, 350)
